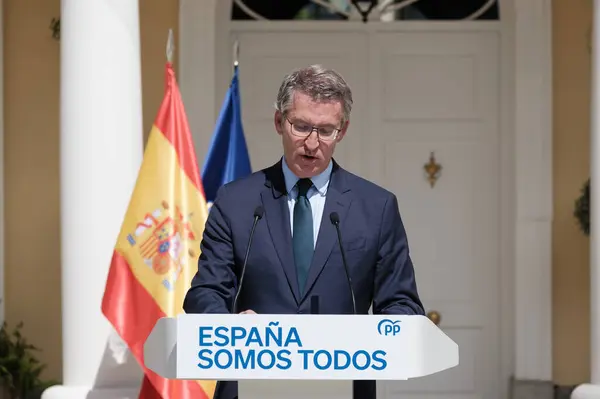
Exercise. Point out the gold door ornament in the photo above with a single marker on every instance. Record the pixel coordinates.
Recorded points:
(435, 317)
(432, 169)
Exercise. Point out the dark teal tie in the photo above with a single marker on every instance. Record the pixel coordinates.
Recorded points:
(303, 233)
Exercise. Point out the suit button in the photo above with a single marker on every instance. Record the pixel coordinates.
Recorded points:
(300, 312)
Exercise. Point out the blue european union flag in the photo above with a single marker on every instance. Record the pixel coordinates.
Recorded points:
(227, 158)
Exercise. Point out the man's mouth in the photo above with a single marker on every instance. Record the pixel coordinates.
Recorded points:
(308, 157)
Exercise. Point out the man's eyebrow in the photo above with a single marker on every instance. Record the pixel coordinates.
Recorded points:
(300, 120)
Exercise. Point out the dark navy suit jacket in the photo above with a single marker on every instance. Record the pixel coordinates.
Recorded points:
(373, 237)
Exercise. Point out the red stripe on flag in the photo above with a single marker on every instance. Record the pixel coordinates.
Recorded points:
(172, 122)
(133, 313)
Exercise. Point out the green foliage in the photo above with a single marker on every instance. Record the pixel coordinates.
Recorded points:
(20, 370)
(582, 208)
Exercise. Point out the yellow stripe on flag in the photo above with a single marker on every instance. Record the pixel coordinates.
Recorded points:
(161, 233)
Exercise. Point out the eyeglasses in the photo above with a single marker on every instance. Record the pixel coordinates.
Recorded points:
(303, 129)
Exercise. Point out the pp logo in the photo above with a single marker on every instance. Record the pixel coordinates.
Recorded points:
(388, 327)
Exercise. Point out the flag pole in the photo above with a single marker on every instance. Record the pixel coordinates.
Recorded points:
(170, 46)
(236, 54)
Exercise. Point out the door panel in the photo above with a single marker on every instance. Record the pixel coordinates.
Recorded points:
(415, 92)
(438, 93)
(268, 56)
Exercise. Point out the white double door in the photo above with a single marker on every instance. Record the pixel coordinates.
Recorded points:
(417, 92)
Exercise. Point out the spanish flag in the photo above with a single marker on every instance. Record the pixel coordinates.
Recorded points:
(157, 250)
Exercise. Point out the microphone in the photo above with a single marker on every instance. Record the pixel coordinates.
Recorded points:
(335, 220)
(258, 214)
(314, 304)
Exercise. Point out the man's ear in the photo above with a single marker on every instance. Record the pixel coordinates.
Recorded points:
(278, 122)
(342, 132)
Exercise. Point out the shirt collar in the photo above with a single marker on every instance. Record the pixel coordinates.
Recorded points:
(320, 181)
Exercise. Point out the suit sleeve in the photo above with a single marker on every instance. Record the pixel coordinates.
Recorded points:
(213, 286)
(395, 285)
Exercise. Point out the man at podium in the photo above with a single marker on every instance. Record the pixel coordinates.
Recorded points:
(305, 235)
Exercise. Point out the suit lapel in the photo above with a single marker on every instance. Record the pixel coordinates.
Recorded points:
(338, 200)
(278, 220)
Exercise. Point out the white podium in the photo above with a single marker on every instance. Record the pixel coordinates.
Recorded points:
(289, 356)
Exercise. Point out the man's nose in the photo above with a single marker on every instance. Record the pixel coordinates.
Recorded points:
(312, 141)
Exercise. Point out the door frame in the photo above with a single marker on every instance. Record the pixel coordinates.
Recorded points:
(526, 158)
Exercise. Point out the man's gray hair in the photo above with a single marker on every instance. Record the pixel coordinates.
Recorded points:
(317, 82)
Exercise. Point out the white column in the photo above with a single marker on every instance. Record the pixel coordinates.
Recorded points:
(592, 390)
(533, 174)
(101, 147)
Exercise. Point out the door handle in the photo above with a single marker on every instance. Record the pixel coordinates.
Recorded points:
(434, 316)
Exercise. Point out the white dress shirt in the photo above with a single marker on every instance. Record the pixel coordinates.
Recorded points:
(316, 195)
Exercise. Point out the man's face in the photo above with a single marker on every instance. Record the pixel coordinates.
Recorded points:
(309, 156)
